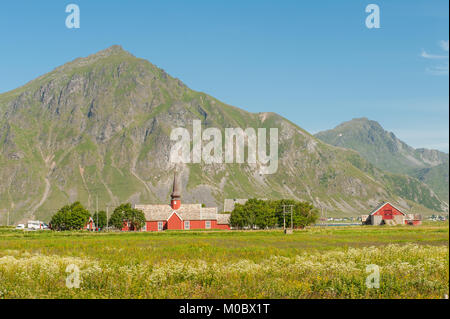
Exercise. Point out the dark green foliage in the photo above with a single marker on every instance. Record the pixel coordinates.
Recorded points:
(303, 213)
(100, 220)
(125, 213)
(136, 218)
(70, 217)
(118, 216)
(269, 214)
(238, 217)
(254, 212)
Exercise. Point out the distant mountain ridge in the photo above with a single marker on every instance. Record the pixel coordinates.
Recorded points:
(384, 150)
(99, 127)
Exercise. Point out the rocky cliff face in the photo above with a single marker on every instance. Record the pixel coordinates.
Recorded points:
(99, 127)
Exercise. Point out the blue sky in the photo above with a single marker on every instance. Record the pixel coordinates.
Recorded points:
(314, 62)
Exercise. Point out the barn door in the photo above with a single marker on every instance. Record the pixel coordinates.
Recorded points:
(388, 214)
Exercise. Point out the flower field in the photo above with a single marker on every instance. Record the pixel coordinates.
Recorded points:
(331, 262)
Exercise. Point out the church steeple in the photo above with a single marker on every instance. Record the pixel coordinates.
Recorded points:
(176, 192)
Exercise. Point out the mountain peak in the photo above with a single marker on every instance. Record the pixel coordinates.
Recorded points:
(363, 120)
(384, 150)
(112, 50)
(360, 119)
(360, 124)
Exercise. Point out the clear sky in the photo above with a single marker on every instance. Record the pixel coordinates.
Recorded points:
(314, 62)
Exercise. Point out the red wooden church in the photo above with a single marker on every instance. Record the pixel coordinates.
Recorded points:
(181, 216)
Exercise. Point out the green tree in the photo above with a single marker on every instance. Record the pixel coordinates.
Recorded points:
(269, 214)
(125, 213)
(255, 212)
(118, 216)
(250, 212)
(261, 213)
(70, 217)
(100, 220)
(303, 213)
(136, 218)
(237, 217)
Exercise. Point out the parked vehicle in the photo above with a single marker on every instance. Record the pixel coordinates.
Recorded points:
(20, 226)
(36, 224)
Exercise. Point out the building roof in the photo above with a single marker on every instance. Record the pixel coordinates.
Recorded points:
(185, 212)
(382, 205)
(155, 212)
(223, 219)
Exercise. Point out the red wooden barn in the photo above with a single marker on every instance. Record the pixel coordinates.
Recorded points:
(388, 214)
(181, 216)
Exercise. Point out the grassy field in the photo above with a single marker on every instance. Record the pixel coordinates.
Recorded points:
(328, 262)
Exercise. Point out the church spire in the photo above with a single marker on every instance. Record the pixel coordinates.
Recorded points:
(176, 192)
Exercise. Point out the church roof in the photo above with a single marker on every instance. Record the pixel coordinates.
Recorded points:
(223, 218)
(186, 212)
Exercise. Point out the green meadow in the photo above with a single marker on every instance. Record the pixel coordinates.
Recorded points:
(317, 262)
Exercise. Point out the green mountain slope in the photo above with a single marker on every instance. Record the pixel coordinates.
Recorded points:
(384, 150)
(99, 127)
(437, 178)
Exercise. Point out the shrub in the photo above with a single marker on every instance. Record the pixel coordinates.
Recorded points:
(269, 214)
(125, 213)
(101, 219)
(70, 217)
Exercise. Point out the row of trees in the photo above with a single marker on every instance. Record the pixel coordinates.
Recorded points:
(266, 214)
(254, 213)
(75, 217)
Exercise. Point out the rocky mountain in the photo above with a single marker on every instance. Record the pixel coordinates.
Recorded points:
(99, 127)
(384, 150)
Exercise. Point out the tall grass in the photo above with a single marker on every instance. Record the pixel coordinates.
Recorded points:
(315, 263)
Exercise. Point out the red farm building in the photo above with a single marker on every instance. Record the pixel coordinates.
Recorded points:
(388, 214)
(180, 216)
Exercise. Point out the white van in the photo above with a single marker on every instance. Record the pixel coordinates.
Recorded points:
(36, 224)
